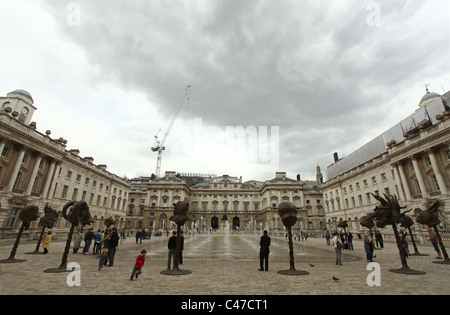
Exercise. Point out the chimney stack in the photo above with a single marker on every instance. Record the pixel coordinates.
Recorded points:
(336, 158)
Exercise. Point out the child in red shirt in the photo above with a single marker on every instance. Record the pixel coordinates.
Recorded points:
(140, 260)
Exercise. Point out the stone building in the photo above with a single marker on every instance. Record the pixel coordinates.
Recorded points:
(213, 200)
(37, 169)
(410, 160)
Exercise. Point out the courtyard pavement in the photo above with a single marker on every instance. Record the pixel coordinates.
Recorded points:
(224, 265)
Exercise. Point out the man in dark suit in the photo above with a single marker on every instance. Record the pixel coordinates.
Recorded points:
(264, 252)
(172, 246)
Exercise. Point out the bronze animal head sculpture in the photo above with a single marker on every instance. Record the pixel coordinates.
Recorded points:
(180, 211)
(50, 217)
(428, 216)
(342, 224)
(367, 221)
(388, 212)
(28, 214)
(288, 213)
(78, 213)
(109, 221)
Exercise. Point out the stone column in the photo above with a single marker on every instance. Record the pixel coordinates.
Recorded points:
(404, 182)
(16, 168)
(423, 188)
(53, 178)
(48, 179)
(33, 174)
(437, 172)
(398, 180)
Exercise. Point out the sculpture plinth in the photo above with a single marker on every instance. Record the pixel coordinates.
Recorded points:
(288, 214)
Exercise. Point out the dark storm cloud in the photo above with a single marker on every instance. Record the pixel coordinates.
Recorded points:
(310, 67)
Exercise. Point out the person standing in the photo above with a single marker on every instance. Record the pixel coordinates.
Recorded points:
(181, 247)
(328, 237)
(122, 236)
(140, 260)
(113, 243)
(337, 247)
(47, 241)
(98, 238)
(87, 241)
(434, 241)
(368, 247)
(264, 252)
(350, 239)
(172, 246)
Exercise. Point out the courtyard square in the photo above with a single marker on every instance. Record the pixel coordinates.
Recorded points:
(224, 265)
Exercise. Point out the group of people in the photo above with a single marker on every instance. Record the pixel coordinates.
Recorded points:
(106, 243)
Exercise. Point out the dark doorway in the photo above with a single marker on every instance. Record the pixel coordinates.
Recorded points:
(215, 223)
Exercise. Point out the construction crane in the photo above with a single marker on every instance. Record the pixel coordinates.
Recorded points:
(159, 145)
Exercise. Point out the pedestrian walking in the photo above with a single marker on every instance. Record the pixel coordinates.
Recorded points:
(47, 241)
(172, 246)
(137, 269)
(337, 247)
(103, 259)
(434, 241)
(264, 252)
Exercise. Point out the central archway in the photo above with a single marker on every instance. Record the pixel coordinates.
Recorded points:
(236, 223)
(215, 223)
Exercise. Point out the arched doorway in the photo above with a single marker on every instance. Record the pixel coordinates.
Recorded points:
(236, 223)
(215, 223)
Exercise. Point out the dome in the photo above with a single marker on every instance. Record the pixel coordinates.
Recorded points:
(428, 98)
(23, 93)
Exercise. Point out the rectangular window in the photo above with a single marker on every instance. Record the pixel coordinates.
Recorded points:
(436, 184)
(75, 194)
(64, 191)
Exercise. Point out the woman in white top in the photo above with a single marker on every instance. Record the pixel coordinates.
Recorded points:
(338, 247)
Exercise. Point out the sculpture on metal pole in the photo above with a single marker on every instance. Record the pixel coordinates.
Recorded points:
(429, 218)
(288, 214)
(180, 217)
(78, 214)
(47, 221)
(27, 215)
(407, 222)
(388, 213)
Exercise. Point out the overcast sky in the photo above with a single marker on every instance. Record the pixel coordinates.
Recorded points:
(302, 78)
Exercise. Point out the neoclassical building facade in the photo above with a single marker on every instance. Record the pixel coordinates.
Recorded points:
(410, 160)
(247, 206)
(37, 169)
